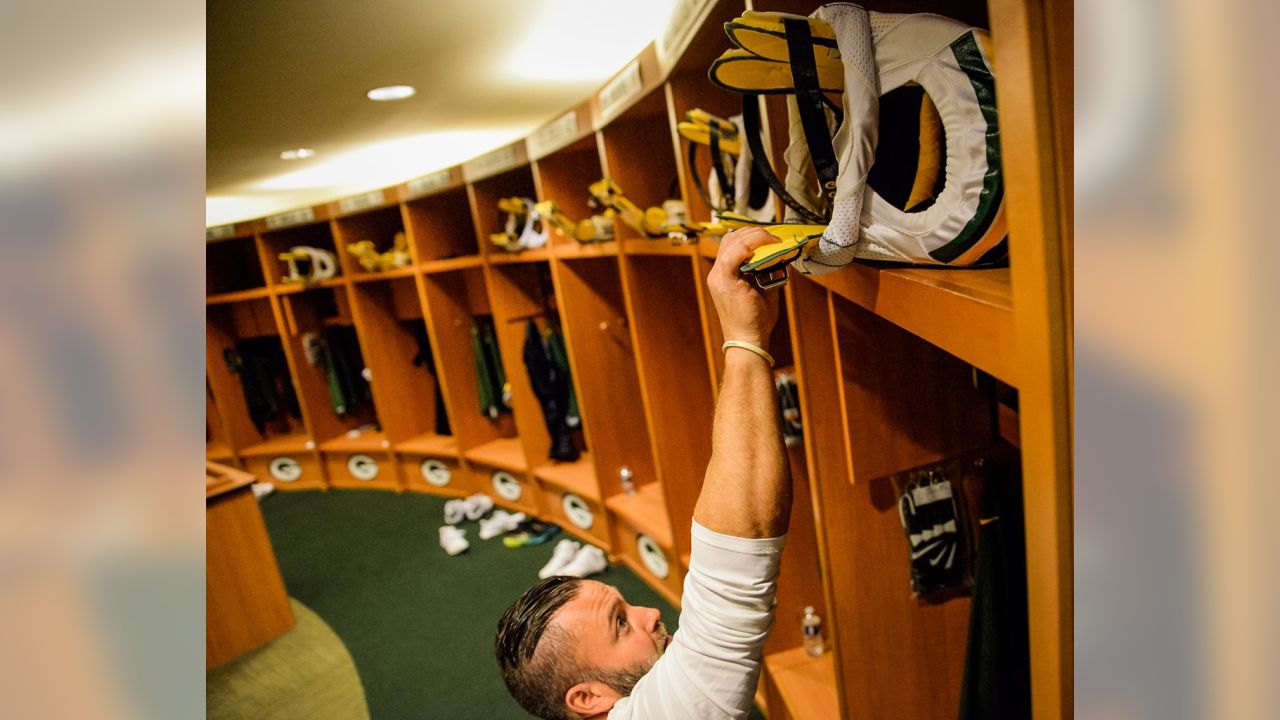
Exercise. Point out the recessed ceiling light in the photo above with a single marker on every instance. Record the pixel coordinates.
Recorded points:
(391, 92)
(297, 154)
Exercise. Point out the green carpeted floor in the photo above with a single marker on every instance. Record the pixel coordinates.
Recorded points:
(418, 623)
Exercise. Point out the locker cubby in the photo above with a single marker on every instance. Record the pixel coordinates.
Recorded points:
(564, 176)
(324, 314)
(602, 360)
(520, 293)
(455, 298)
(232, 266)
(397, 351)
(640, 158)
(376, 226)
(906, 402)
(671, 353)
(317, 235)
(251, 322)
(485, 195)
(440, 226)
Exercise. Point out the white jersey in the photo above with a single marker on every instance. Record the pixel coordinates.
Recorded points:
(712, 666)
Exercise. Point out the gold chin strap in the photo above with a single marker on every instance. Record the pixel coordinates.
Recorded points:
(650, 222)
(768, 264)
(374, 261)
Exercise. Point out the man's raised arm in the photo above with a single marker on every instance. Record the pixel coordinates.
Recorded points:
(747, 490)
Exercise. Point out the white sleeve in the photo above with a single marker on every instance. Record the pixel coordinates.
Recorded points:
(712, 667)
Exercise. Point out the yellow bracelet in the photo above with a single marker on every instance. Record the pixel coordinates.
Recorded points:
(748, 346)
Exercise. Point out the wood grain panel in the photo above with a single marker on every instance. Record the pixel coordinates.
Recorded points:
(245, 600)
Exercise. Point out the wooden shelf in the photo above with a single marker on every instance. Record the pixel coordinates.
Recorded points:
(575, 250)
(290, 288)
(968, 313)
(498, 256)
(221, 479)
(645, 511)
(400, 272)
(503, 453)
(708, 248)
(237, 296)
(578, 477)
(456, 263)
(365, 442)
(430, 444)
(280, 445)
(657, 246)
(807, 685)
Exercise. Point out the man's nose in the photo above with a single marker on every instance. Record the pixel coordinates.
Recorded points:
(650, 618)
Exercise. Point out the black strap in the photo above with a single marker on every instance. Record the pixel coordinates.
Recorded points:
(693, 175)
(717, 164)
(811, 103)
(751, 126)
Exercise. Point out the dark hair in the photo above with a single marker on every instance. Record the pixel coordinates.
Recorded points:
(534, 655)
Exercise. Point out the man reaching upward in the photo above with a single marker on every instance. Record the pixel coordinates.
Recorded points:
(571, 648)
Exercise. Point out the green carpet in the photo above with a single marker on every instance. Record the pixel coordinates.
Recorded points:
(304, 673)
(418, 623)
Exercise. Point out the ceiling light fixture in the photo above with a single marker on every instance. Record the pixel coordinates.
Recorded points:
(297, 154)
(391, 92)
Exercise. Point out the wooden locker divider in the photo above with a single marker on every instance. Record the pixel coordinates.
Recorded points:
(662, 296)
(216, 445)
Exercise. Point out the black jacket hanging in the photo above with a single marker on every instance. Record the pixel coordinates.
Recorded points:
(425, 358)
(551, 386)
(997, 679)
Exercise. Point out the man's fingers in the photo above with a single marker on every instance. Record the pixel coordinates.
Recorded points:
(738, 246)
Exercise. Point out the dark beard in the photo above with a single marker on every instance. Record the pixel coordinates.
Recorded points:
(624, 681)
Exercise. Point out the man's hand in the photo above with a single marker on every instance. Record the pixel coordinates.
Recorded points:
(745, 312)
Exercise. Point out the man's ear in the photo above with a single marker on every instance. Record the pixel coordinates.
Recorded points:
(591, 698)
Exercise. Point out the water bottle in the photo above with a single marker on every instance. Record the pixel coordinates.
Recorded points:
(812, 625)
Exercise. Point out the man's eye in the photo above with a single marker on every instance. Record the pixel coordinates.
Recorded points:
(622, 623)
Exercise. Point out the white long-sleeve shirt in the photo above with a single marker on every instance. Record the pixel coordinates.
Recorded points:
(711, 669)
